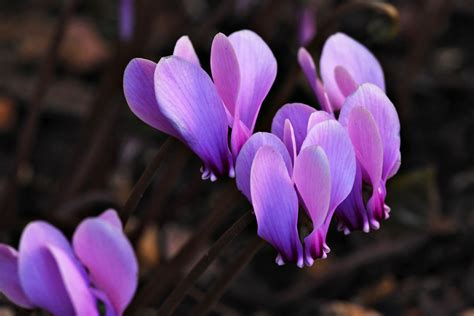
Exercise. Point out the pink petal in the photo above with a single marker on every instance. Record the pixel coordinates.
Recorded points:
(258, 68)
(188, 98)
(358, 61)
(275, 204)
(318, 117)
(138, 87)
(247, 155)
(106, 253)
(289, 139)
(9, 278)
(184, 48)
(110, 215)
(239, 135)
(344, 80)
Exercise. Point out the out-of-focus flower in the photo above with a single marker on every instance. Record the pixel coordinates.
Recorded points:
(306, 25)
(177, 97)
(126, 19)
(48, 273)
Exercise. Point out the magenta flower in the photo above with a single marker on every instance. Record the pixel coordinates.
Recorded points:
(177, 97)
(317, 169)
(48, 273)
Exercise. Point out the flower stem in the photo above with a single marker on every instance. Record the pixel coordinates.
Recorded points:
(182, 288)
(216, 292)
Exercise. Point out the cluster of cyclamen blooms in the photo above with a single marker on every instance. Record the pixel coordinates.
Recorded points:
(48, 273)
(311, 158)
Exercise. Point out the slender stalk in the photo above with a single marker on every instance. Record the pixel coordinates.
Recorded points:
(144, 181)
(232, 271)
(182, 288)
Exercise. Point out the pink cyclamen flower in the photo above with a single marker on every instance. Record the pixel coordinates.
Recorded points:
(48, 272)
(177, 97)
(353, 82)
(317, 169)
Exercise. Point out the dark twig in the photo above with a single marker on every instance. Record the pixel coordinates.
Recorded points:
(26, 140)
(182, 288)
(232, 271)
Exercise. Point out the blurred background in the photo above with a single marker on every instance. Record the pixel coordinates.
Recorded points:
(70, 147)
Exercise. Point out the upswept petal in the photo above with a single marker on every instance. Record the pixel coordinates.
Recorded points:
(335, 142)
(289, 139)
(360, 63)
(225, 71)
(189, 99)
(275, 203)
(247, 155)
(138, 87)
(318, 117)
(298, 114)
(10, 284)
(258, 68)
(108, 256)
(386, 118)
(184, 48)
(42, 275)
(110, 215)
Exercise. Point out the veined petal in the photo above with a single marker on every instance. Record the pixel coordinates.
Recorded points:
(386, 118)
(184, 48)
(358, 61)
(49, 273)
(335, 142)
(258, 68)
(225, 71)
(247, 155)
(298, 114)
(312, 179)
(318, 117)
(139, 91)
(10, 284)
(289, 139)
(189, 99)
(106, 253)
(275, 204)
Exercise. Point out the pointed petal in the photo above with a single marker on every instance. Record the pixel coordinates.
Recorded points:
(335, 142)
(225, 71)
(106, 253)
(9, 278)
(318, 117)
(306, 63)
(258, 68)
(110, 215)
(43, 272)
(360, 63)
(247, 155)
(289, 139)
(188, 98)
(298, 114)
(275, 204)
(139, 91)
(344, 80)
(184, 49)
(386, 118)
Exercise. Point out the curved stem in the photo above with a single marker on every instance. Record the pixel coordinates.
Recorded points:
(199, 268)
(216, 292)
(144, 181)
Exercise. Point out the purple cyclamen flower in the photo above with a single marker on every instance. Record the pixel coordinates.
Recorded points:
(48, 273)
(177, 97)
(317, 169)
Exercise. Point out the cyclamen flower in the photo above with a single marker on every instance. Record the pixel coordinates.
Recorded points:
(48, 273)
(353, 82)
(272, 177)
(177, 97)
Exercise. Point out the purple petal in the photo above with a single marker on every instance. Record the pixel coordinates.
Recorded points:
(106, 253)
(247, 155)
(189, 100)
(139, 90)
(309, 69)
(9, 278)
(275, 203)
(318, 117)
(50, 274)
(386, 118)
(298, 114)
(258, 68)
(110, 215)
(312, 179)
(335, 142)
(225, 71)
(289, 139)
(344, 80)
(362, 66)
(184, 49)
